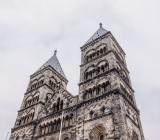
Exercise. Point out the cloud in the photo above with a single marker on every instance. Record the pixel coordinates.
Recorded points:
(31, 30)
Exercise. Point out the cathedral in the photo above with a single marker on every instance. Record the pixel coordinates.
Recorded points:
(104, 109)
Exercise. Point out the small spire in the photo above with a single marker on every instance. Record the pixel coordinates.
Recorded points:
(55, 52)
(54, 63)
(100, 25)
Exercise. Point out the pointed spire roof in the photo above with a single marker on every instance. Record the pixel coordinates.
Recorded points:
(100, 32)
(54, 63)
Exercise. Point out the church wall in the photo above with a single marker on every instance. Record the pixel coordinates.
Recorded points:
(105, 107)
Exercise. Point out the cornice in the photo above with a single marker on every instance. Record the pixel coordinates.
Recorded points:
(95, 41)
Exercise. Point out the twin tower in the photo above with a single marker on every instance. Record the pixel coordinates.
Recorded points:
(104, 109)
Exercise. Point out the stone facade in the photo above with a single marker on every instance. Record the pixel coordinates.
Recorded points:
(104, 109)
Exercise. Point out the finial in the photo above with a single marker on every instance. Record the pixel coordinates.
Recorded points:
(100, 25)
(55, 52)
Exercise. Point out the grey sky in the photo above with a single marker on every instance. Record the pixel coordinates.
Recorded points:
(31, 30)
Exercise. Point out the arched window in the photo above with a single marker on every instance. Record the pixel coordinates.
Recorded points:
(91, 114)
(17, 138)
(97, 133)
(67, 121)
(89, 72)
(97, 53)
(58, 124)
(85, 96)
(104, 49)
(23, 137)
(101, 137)
(98, 70)
(61, 106)
(102, 68)
(98, 90)
(54, 107)
(66, 138)
(71, 119)
(102, 109)
(101, 51)
(54, 126)
(58, 104)
(47, 98)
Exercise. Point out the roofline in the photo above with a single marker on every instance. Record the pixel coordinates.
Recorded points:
(45, 68)
(119, 46)
(101, 37)
(95, 40)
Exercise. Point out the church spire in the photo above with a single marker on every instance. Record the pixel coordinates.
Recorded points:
(54, 63)
(55, 52)
(100, 32)
(100, 25)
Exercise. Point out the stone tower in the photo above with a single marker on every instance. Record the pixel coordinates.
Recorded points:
(106, 91)
(104, 109)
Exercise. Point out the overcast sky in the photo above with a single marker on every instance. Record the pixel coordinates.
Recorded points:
(30, 30)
